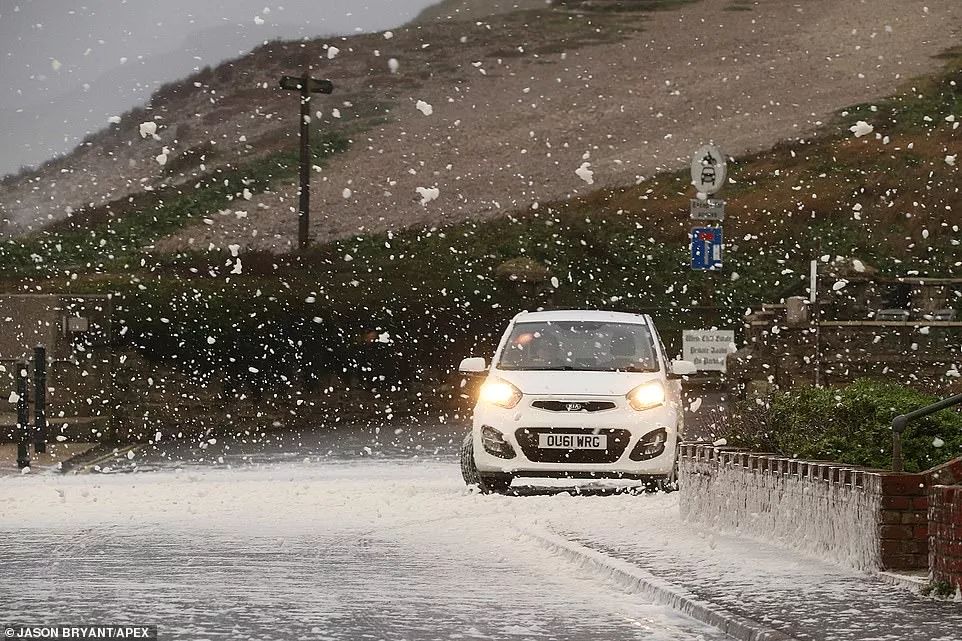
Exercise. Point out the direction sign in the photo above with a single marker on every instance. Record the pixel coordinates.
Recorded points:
(707, 209)
(706, 248)
(294, 83)
(708, 169)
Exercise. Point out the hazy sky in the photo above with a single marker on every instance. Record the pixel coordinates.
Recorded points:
(65, 66)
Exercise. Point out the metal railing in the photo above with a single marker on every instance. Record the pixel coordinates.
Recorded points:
(899, 423)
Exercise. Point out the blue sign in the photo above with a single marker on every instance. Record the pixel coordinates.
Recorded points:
(706, 248)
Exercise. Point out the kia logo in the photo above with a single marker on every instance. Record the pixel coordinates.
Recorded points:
(573, 407)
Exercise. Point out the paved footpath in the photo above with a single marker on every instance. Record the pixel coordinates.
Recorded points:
(56, 454)
(785, 592)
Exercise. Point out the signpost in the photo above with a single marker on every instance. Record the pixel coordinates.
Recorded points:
(305, 86)
(706, 248)
(709, 172)
(708, 349)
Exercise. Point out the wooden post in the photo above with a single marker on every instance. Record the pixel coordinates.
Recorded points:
(304, 210)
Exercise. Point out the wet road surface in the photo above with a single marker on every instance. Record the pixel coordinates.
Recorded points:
(358, 534)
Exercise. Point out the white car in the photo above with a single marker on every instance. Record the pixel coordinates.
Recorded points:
(575, 394)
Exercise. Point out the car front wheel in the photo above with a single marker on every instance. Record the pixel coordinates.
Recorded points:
(487, 483)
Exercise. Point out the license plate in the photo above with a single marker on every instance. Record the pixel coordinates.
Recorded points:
(573, 441)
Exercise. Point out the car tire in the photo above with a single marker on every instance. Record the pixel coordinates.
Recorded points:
(469, 471)
(670, 482)
(487, 483)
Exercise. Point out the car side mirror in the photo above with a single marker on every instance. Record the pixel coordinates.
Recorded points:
(683, 368)
(474, 365)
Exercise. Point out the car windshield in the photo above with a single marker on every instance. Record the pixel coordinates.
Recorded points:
(579, 346)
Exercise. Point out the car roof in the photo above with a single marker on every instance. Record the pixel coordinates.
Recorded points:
(561, 315)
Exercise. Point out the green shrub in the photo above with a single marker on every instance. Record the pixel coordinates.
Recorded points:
(851, 424)
(938, 589)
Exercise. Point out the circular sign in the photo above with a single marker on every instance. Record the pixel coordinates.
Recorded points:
(708, 169)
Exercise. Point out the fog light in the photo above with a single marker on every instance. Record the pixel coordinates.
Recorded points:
(494, 443)
(650, 445)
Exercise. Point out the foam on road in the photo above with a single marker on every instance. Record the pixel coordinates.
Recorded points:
(343, 550)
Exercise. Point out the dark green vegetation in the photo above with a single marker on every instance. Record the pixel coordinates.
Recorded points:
(938, 589)
(851, 424)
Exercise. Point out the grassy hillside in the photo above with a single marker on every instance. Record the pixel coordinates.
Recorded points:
(431, 295)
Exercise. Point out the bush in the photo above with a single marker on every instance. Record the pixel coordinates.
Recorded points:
(851, 424)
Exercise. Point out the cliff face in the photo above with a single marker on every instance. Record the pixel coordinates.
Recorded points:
(495, 113)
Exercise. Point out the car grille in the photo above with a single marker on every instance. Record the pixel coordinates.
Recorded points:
(528, 440)
(574, 406)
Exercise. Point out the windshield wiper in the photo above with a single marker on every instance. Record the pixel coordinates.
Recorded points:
(572, 368)
(562, 368)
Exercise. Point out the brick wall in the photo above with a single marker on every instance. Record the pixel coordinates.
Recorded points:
(902, 519)
(945, 533)
(861, 517)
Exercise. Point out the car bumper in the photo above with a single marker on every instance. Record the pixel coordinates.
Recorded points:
(624, 423)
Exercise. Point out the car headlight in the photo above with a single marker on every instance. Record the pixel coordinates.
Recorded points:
(500, 393)
(647, 396)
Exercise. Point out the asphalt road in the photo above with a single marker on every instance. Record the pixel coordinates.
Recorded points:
(347, 534)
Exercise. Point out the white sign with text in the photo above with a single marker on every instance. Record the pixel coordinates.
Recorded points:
(707, 348)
